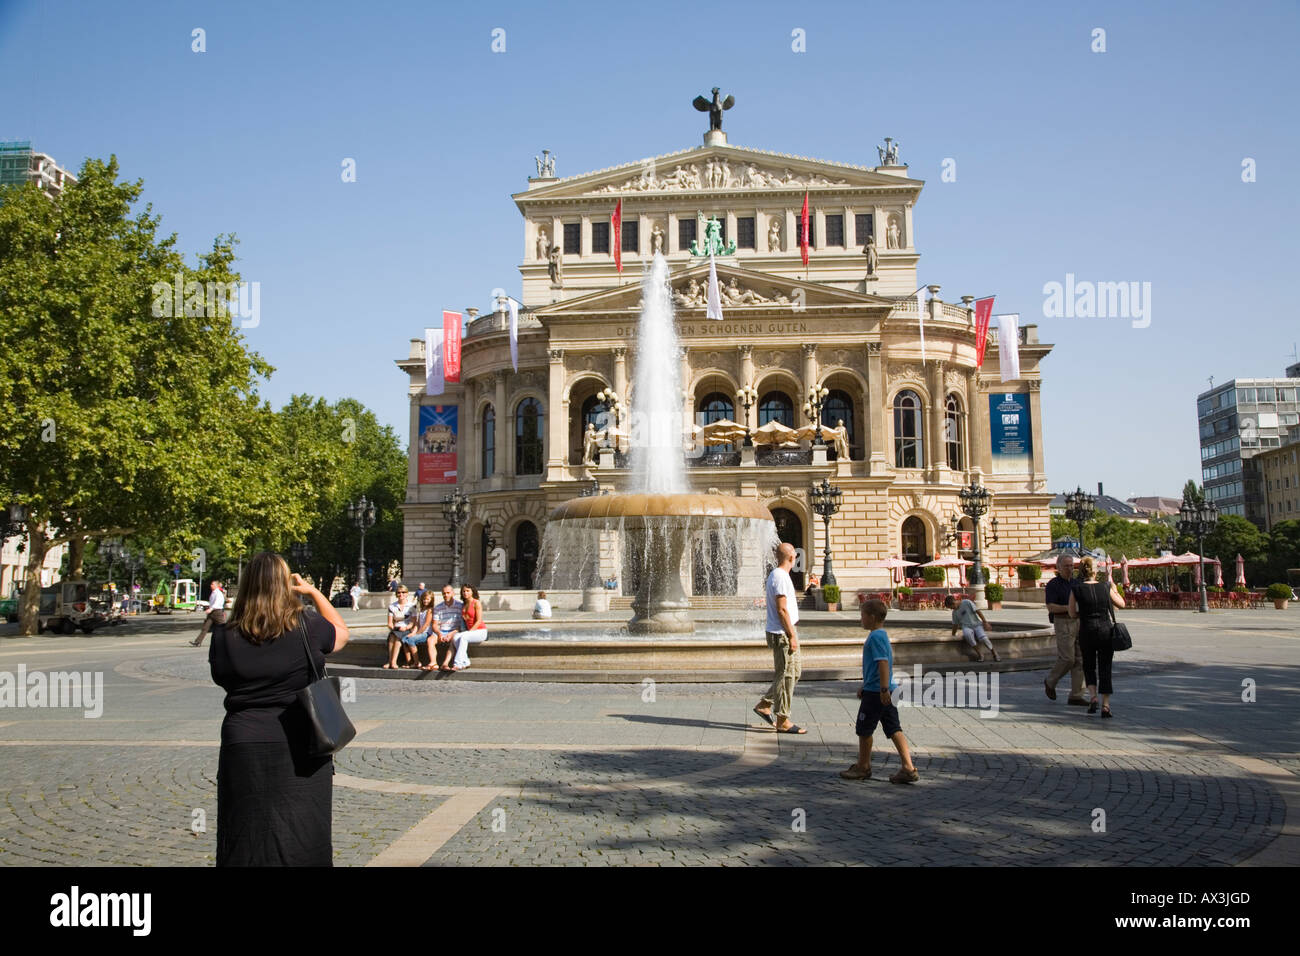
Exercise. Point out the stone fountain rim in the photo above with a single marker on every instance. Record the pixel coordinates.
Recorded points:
(685, 505)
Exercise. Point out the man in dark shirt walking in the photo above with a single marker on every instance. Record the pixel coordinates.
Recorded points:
(1068, 656)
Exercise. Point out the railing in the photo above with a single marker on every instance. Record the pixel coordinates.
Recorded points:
(499, 322)
(782, 456)
(729, 459)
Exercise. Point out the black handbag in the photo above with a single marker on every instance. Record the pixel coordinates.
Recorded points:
(330, 728)
(1120, 639)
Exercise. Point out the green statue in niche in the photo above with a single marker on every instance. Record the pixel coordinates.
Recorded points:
(712, 245)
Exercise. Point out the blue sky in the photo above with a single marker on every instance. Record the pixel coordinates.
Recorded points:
(1116, 166)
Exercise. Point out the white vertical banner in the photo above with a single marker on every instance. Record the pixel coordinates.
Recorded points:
(1009, 346)
(435, 382)
(513, 306)
(715, 296)
(920, 308)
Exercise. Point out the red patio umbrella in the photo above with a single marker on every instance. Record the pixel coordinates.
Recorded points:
(1123, 566)
(1218, 573)
(1241, 570)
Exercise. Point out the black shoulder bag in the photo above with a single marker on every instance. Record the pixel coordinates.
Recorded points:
(331, 730)
(1120, 640)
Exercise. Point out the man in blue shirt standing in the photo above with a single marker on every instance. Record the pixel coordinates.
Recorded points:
(877, 705)
(1069, 659)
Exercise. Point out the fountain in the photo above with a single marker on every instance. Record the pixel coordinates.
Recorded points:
(651, 528)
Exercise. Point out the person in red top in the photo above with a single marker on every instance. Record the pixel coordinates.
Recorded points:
(475, 629)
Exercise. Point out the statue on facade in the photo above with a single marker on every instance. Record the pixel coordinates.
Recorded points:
(545, 165)
(712, 244)
(888, 153)
(774, 236)
(590, 444)
(555, 268)
(543, 244)
(892, 237)
(715, 108)
(657, 240)
(869, 250)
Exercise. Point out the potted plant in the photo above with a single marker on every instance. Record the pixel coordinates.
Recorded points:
(993, 594)
(831, 595)
(1279, 594)
(935, 576)
(905, 598)
(1029, 575)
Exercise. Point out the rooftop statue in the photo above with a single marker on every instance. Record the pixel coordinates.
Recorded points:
(715, 108)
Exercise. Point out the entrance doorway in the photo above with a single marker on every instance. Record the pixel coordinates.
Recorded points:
(523, 567)
(790, 530)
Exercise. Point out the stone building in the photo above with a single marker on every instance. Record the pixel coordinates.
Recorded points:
(917, 426)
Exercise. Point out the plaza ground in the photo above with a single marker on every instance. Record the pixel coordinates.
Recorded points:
(462, 772)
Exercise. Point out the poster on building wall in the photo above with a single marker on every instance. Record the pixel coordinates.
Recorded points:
(436, 450)
(1012, 433)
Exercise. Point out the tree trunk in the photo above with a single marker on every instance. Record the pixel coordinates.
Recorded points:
(29, 606)
(76, 558)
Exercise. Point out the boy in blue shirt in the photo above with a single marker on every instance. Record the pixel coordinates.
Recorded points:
(877, 705)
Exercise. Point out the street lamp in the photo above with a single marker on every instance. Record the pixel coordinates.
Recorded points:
(362, 515)
(113, 550)
(301, 554)
(609, 398)
(455, 508)
(1079, 507)
(747, 396)
(813, 409)
(826, 499)
(1197, 521)
(975, 501)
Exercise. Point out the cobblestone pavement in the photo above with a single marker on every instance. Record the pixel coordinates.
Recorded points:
(451, 772)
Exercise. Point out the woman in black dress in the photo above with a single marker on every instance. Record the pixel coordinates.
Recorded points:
(274, 800)
(1090, 602)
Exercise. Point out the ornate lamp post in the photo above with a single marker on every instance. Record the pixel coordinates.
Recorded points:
(301, 555)
(1197, 521)
(455, 508)
(609, 398)
(747, 396)
(113, 550)
(826, 499)
(1165, 544)
(1079, 507)
(362, 515)
(975, 501)
(813, 409)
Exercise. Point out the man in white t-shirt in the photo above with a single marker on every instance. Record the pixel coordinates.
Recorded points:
(356, 597)
(782, 616)
(216, 612)
(542, 609)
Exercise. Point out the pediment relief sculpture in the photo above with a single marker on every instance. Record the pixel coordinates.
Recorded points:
(717, 174)
(694, 294)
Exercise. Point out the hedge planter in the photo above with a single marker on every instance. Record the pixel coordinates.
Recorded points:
(1279, 594)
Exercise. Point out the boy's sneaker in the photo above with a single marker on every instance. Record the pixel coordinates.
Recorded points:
(856, 773)
(905, 776)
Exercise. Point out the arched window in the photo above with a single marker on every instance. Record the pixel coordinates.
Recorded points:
(529, 422)
(776, 407)
(489, 460)
(913, 533)
(952, 434)
(839, 408)
(716, 407)
(907, 430)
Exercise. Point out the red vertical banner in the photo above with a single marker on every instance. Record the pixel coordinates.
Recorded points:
(451, 345)
(803, 230)
(983, 312)
(618, 235)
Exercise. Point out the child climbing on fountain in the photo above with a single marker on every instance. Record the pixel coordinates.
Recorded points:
(877, 705)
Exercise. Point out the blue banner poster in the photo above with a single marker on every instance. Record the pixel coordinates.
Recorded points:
(436, 449)
(1012, 433)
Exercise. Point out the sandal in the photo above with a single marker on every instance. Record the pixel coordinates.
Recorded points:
(856, 773)
(765, 716)
(905, 776)
(1092, 707)
(792, 729)
(1105, 712)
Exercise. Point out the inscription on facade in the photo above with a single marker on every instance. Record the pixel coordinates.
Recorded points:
(726, 328)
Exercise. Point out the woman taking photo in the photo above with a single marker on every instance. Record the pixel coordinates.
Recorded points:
(475, 631)
(273, 798)
(1090, 602)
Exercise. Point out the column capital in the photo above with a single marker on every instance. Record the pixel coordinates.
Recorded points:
(555, 355)
(809, 349)
(620, 351)
(745, 350)
(873, 348)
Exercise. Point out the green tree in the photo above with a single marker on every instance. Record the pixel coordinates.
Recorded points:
(1192, 492)
(110, 400)
(1234, 535)
(1284, 548)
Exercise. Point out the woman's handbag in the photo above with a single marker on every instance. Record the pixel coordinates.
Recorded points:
(1120, 639)
(331, 730)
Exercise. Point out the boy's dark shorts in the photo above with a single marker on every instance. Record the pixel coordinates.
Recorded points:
(872, 711)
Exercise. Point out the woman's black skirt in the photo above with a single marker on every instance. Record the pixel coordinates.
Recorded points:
(273, 806)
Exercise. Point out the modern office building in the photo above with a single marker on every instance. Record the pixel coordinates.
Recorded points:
(1238, 420)
(19, 163)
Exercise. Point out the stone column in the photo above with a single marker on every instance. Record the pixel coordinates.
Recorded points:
(981, 435)
(557, 418)
(688, 395)
(809, 376)
(1036, 428)
(620, 371)
(504, 446)
(413, 448)
(747, 378)
(875, 412)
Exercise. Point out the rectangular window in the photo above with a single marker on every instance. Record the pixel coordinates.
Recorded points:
(685, 233)
(835, 231)
(1286, 394)
(1266, 395)
(600, 237)
(631, 235)
(572, 239)
(863, 227)
(745, 233)
(1246, 395)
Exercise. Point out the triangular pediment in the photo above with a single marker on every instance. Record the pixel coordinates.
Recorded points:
(718, 170)
(742, 290)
